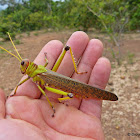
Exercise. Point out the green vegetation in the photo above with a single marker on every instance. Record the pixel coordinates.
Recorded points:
(131, 57)
(17, 42)
(36, 34)
(2, 51)
(28, 33)
(111, 16)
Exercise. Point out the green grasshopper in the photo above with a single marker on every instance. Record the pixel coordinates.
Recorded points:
(48, 79)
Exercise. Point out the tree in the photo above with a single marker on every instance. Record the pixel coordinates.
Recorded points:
(74, 14)
(7, 2)
(113, 15)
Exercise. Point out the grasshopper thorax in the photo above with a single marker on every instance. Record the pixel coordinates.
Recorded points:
(24, 65)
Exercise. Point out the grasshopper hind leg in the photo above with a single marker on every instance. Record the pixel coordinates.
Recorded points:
(57, 64)
(73, 60)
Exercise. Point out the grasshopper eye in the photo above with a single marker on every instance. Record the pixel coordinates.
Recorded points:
(22, 63)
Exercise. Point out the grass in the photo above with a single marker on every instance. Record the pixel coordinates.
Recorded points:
(131, 57)
(136, 77)
(17, 42)
(28, 34)
(1, 43)
(36, 34)
(2, 51)
(113, 65)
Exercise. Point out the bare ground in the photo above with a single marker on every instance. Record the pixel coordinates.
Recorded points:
(121, 120)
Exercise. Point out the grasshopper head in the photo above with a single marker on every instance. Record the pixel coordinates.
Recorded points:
(24, 65)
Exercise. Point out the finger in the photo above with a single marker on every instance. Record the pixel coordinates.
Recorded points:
(92, 53)
(53, 50)
(78, 42)
(99, 78)
(2, 104)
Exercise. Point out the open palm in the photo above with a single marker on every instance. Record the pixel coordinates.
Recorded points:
(28, 114)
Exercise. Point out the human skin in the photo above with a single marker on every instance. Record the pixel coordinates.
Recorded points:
(28, 116)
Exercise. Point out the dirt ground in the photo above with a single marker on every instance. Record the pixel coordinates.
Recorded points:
(121, 120)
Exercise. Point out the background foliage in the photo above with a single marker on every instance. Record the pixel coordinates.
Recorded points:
(27, 15)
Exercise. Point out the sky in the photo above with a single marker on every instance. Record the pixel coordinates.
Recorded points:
(5, 6)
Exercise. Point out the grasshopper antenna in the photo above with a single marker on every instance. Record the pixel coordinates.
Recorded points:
(19, 58)
(14, 46)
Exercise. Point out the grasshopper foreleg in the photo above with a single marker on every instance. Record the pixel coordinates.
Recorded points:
(19, 85)
(46, 59)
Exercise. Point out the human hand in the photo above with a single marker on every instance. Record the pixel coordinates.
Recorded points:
(28, 115)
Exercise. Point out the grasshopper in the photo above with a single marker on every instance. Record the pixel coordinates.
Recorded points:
(57, 83)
